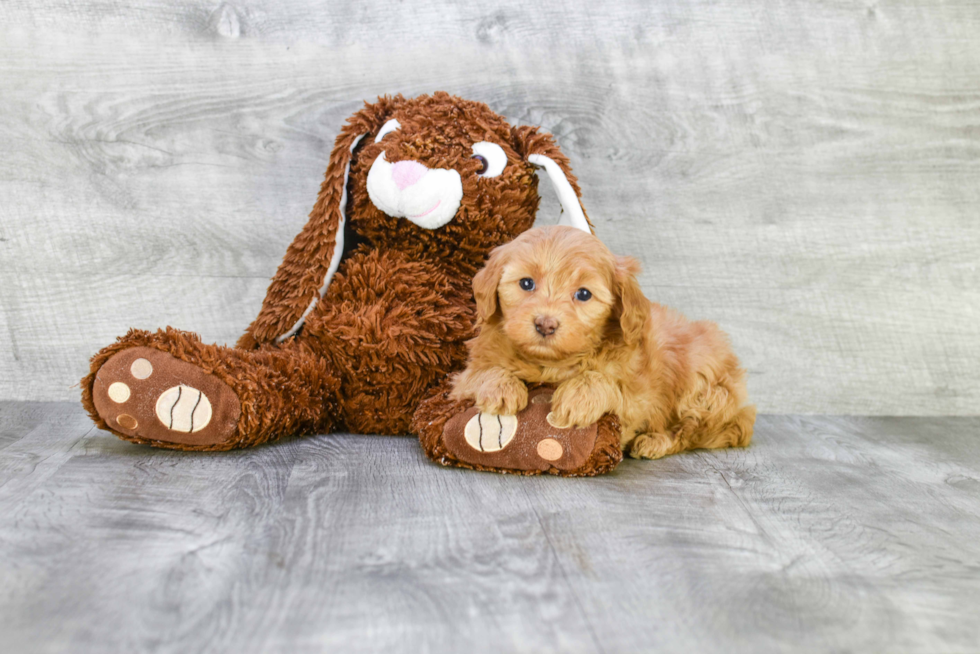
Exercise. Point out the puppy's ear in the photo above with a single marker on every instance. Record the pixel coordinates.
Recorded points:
(540, 150)
(632, 305)
(485, 285)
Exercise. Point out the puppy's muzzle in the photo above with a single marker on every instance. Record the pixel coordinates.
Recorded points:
(545, 325)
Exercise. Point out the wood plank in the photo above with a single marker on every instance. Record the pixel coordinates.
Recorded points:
(803, 173)
(841, 534)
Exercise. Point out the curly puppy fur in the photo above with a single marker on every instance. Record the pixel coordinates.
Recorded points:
(362, 351)
(556, 306)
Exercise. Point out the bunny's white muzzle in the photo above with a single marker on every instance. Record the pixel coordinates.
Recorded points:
(429, 197)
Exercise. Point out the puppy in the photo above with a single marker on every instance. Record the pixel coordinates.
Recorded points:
(555, 306)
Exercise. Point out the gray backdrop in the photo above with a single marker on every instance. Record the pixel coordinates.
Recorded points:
(807, 174)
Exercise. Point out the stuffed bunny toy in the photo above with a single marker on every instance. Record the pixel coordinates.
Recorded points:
(371, 306)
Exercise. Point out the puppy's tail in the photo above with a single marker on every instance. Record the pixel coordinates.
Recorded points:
(733, 432)
(741, 427)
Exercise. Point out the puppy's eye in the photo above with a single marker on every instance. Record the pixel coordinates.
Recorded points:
(583, 295)
(390, 126)
(491, 157)
(527, 284)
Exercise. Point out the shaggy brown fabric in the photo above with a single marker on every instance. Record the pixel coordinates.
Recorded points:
(396, 314)
(586, 452)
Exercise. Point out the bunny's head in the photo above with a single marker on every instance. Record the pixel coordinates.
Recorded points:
(447, 175)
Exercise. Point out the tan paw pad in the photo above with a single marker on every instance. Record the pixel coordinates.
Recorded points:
(141, 369)
(118, 392)
(549, 449)
(183, 408)
(127, 421)
(488, 432)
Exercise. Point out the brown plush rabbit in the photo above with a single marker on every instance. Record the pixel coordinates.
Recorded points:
(371, 306)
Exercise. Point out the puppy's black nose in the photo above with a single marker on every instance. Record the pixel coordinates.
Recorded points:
(545, 325)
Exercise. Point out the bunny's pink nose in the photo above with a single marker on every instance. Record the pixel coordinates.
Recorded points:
(406, 173)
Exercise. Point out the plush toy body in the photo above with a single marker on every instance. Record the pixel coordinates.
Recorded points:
(369, 311)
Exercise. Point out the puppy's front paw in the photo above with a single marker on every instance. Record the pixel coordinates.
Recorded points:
(504, 398)
(577, 403)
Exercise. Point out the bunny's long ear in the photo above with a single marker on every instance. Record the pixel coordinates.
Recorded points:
(314, 255)
(541, 151)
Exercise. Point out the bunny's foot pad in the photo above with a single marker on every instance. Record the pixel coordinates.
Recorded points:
(458, 434)
(146, 395)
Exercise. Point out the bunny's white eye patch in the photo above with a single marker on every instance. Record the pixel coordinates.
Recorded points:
(492, 158)
(390, 126)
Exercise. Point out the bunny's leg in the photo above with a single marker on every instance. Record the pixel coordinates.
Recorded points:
(170, 390)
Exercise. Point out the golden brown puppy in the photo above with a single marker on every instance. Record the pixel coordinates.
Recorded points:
(555, 306)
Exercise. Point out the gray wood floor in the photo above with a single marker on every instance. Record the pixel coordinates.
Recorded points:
(828, 534)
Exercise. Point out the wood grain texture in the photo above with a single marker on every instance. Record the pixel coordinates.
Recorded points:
(803, 172)
(827, 534)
